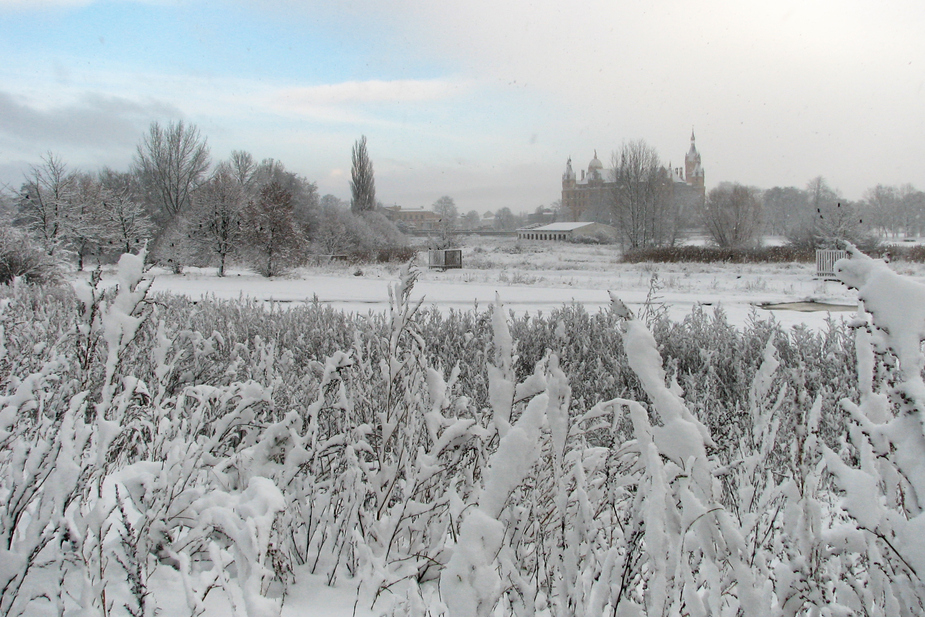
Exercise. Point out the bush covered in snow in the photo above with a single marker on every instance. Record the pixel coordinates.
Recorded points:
(462, 464)
(22, 258)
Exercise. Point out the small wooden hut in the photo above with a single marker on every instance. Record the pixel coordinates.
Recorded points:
(444, 258)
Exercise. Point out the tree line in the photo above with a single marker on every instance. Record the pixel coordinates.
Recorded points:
(191, 211)
(648, 209)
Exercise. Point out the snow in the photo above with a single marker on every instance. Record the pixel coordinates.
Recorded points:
(534, 279)
(470, 585)
(897, 303)
(560, 227)
(896, 307)
(312, 596)
(681, 435)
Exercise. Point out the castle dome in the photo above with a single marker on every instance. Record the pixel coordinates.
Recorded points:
(595, 163)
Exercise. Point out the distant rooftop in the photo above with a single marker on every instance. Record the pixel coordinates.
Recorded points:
(561, 226)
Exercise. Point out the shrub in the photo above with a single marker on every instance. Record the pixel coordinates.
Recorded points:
(914, 254)
(22, 258)
(705, 254)
(400, 254)
(361, 238)
(597, 238)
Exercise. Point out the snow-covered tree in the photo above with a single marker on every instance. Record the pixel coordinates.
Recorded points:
(829, 220)
(272, 241)
(128, 225)
(47, 202)
(446, 208)
(215, 220)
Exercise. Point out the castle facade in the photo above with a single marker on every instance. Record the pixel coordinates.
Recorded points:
(589, 197)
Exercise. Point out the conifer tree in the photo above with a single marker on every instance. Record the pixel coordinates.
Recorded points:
(362, 183)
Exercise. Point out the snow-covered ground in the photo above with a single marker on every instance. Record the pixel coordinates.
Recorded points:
(534, 277)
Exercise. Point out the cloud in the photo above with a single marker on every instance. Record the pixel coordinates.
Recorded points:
(778, 92)
(93, 120)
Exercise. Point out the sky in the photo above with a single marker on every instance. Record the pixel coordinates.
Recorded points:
(481, 100)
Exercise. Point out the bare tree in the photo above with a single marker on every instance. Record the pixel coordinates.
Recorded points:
(304, 193)
(329, 200)
(445, 207)
(362, 183)
(895, 210)
(127, 224)
(471, 220)
(170, 163)
(243, 168)
(882, 206)
(271, 170)
(641, 197)
(47, 202)
(842, 223)
(382, 233)
(556, 207)
(912, 203)
(831, 220)
(732, 215)
(506, 220)
(215, 225)
(272, 239)
(86, 229)
(22, 257)
(783, 209)
(341, 232)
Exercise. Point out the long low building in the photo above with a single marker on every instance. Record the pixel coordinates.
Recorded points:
(568, 231)
(414, 218)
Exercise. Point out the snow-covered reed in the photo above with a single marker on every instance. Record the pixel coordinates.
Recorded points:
(463, 464)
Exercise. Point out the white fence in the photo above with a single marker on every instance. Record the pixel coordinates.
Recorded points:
(825, 261)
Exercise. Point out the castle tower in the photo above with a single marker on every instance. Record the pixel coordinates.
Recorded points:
(693, 170)
(568, 178)
(570, 208)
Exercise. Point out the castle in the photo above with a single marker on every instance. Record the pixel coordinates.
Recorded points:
(589, 197)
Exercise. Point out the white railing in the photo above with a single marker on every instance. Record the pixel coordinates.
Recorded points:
(825, 261)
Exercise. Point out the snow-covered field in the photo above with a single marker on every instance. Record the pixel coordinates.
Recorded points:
(534, 277)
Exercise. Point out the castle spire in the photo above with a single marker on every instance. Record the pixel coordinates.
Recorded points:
(693, 170)
(569, 174)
